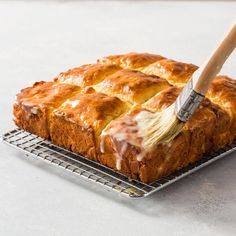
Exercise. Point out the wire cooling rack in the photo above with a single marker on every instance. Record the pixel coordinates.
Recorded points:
(34, 146)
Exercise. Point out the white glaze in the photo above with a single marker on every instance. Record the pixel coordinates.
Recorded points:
(125, 131)
(73, 104)
(34, 110)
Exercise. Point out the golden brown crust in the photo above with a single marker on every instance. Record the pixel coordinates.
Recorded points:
(85, 114)
(33, 105)
(223, 93)
(87, 75)
(131, 60)
(176, 73)
(162, 100)
(32, 121)
(91, 110)
(73, 137)
(131, 86)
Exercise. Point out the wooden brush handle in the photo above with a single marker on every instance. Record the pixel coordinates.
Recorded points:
(205, 74)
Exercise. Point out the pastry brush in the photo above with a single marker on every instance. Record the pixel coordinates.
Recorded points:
(163, 126)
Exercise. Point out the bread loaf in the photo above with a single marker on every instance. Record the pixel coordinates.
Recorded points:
(89, 109)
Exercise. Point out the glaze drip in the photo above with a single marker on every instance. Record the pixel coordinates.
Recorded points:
(124, 131)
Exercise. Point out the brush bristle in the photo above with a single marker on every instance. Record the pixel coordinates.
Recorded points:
(158, 127)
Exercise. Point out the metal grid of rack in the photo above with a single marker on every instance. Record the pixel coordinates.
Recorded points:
(34, 146)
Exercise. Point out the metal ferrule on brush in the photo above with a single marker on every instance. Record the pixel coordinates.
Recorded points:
(187, 102)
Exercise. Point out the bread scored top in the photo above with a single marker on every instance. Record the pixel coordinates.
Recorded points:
(93, 109)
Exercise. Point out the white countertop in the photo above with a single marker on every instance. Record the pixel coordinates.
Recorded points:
(38, 40)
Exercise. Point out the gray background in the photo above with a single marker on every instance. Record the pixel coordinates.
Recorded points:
(39, 40)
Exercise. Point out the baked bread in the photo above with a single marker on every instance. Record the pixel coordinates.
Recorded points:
(78, 122)
(86, 75)
(33, 105)
(89, 109)
(176, 73)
